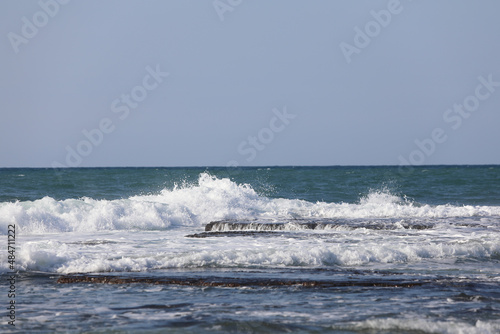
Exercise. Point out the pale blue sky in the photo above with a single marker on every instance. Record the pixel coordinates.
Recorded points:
(249, 82)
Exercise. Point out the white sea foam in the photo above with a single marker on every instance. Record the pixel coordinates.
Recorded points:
(126, 251)
(208, 200)
(427, 326)
(148, 233)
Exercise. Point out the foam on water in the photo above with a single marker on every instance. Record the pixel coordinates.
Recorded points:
(208, 200)
(125, 251)
(426, 326)
(396, 265)
(148, 232)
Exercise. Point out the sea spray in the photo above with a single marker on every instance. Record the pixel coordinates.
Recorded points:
(207, 200)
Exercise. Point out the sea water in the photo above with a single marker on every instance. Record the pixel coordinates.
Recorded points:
(296, 249)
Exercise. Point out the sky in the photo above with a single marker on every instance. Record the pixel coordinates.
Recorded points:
(249, 83)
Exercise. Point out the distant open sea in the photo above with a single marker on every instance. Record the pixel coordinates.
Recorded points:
(251, 250)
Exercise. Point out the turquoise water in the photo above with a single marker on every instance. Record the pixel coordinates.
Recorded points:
(477, 185)
(392, 249)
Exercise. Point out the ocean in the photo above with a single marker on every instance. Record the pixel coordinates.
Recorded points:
(381, 249)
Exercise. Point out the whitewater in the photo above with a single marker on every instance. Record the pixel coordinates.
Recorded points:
(205, 225)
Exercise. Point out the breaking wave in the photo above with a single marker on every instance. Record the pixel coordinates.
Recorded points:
(207, 200)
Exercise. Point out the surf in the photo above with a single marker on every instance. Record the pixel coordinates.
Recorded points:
(210, 199)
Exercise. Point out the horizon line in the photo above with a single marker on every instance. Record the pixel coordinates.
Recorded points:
(259, 166)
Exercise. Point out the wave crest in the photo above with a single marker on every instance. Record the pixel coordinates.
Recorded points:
(207, 200)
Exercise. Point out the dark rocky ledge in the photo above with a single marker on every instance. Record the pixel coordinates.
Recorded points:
(242, 225)
(233, 234)
(235, 283)
(314, 224)
(271, 228)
